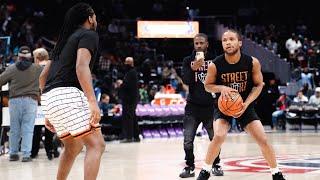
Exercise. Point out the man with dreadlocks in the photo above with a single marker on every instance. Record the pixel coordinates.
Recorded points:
(71, 109)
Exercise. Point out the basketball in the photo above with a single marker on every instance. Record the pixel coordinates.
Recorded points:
(231, 105)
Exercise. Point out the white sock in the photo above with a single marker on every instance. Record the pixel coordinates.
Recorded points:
(207, 167)
(274, 170)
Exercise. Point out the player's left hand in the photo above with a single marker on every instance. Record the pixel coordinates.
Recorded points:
(244, 107)
(95, 113)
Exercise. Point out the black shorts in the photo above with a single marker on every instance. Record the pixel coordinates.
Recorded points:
(248, 116)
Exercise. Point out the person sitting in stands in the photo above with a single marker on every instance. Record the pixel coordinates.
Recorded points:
(282, 104)
(105, 106)
(300, 98)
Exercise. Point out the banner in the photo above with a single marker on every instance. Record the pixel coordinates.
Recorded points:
(167, 29)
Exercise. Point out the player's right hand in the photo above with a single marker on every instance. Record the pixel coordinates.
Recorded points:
(197, 64)
(226, 92)
(49, 126)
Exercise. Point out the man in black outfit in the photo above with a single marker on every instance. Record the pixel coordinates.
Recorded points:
(50, 145)
(129, 95)
(200, 104)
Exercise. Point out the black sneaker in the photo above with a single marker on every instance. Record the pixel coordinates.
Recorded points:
(203, 175)
(50, 155)
(217, 171)
(56, 153)
(187, 172)
(33, 156)
(14, 157)
(278, 176)
(26, 159)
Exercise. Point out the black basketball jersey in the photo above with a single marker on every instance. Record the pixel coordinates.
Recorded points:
(237, 76)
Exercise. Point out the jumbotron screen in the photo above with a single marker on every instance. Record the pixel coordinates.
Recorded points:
(167, 29)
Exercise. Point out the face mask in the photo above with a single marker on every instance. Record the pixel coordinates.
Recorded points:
(127, 67)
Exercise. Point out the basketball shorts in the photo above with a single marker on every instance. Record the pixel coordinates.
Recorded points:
(67, 109)
(248, 116)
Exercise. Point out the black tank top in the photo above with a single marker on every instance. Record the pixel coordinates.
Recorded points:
(237, 76)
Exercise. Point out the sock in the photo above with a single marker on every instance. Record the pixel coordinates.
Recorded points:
(207, 167)
(274, 170)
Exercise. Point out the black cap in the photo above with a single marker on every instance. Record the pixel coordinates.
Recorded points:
(24, 52)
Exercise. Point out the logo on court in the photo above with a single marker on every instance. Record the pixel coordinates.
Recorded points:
(288, 164)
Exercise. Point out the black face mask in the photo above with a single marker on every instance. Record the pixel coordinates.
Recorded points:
(127, 67)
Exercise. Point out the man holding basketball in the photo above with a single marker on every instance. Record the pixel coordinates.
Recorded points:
(200, 104)
(235, 71)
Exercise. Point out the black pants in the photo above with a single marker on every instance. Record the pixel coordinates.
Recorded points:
(48, 142)
(130, 127)
(191, 122)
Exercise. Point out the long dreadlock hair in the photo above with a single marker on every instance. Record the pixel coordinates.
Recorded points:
(74, 18)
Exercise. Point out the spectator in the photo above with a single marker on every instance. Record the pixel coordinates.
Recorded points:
(269, 95)
(169, 71)
(293, 44)
(315, 99)
(301, 58)
(282, 104)
(41, 57)
(153, 91)
(144, 97)
(300, 98)
(306, 90)
(104, 64)
(105, 105)
(27, 31)
(23, 102)
(113, 27)
(313, 59)
(129, 95)
(307, 77)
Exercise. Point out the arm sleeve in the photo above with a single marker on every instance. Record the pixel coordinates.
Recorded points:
(89, 40)
(187, 72)
(6, 76)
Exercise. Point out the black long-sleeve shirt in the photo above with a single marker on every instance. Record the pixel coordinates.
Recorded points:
(129, 92)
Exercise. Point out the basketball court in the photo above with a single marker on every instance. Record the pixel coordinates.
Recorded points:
(162, 159)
